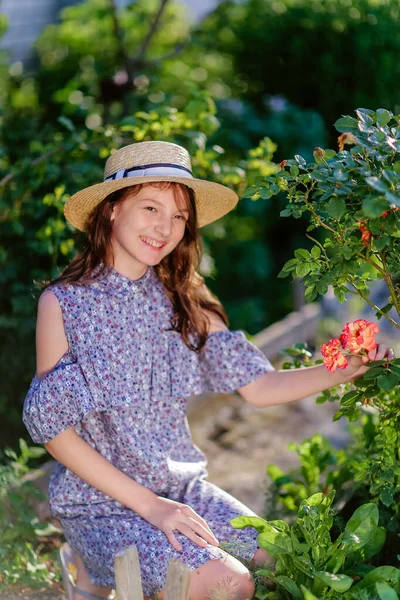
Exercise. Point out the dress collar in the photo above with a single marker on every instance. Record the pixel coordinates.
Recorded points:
(116, 283)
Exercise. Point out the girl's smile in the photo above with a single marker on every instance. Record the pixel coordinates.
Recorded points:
(154, 244)
(147, 226)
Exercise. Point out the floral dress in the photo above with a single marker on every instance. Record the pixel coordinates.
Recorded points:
(123, 385)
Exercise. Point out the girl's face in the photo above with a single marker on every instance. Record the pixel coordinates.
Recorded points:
(146, 227)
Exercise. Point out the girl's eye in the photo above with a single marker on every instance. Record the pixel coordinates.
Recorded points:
(181, 217)
(150, 208)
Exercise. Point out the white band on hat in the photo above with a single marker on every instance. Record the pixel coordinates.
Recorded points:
(164, 170)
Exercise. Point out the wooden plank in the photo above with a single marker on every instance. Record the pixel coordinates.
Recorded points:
(177, 583)
(296, 327)
(127, 575)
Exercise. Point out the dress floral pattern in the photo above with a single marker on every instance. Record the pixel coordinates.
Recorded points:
(123, 385)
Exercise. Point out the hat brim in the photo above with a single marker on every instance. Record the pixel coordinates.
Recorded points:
(213, 200)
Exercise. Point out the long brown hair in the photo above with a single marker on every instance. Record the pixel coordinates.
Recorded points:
(178, 271)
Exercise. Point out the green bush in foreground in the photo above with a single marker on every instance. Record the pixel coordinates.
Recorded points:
(310, 565)
(25, 549)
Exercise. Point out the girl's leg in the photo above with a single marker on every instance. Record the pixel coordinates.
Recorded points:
(220, 579)
(261, 556)
(84, 583)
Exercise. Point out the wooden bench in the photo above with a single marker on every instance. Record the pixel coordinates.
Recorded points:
(129, 583)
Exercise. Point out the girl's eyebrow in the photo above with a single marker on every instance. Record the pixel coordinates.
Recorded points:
(161, 204)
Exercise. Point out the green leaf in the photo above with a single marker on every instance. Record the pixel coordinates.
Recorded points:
(387, 382)
(382, 241)
(294, 171)
(345, 124)
(279, 524)
(266, 573)
(266, 193)
(275, 542)
(67, 123)
(373, 207)
(259, 524)
(290, 586)
(374, 545)
(383, 116)
(315, 251)
(302, 270)
(361, 526)
(338, 582)
(377, 183)
(385, 574)
(336, 207)
(393, 198)
(373, 373)
(336, 561)
(307, 594)
(302, 253)
(350, 398)
(386, 497)
(385, 592)
(250, 191)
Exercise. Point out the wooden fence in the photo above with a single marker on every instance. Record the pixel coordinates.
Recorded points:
(128, 582)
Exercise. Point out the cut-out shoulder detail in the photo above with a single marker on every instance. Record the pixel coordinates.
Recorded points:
(51, 341)
(215, 322)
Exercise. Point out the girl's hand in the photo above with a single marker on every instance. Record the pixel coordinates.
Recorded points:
(357, 364)
(169, 516)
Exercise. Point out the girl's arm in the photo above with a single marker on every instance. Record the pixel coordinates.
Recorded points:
(281, 386)
(83, 460)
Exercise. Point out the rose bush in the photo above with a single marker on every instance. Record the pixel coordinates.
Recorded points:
(352, 198)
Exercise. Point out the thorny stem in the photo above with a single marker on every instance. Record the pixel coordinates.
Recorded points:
(389, 283)
(314, 214)
(386, 275)
(358, 292)
(318, 244)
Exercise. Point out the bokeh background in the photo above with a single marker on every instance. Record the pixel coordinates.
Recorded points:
(243, 85)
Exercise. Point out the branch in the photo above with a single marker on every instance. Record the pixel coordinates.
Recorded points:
(153, 28)
(178, 48)
(376, 308)
(119, 36)
(35, 162)
(44, 156)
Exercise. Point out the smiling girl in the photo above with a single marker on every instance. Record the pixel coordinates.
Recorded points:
(125, 335)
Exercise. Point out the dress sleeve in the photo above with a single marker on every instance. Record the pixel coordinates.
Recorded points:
(229, 361)
(57, 401)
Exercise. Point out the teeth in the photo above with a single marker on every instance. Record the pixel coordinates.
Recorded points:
(152, 242)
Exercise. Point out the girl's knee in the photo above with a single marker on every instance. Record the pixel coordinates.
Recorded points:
(221, 578)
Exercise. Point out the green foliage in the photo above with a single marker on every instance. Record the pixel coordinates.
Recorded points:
(343, 192)
(300, 49)
(367, 470)
(99, 61)
(25, 550)
(322, 469)
(310, 563)
(352, 198)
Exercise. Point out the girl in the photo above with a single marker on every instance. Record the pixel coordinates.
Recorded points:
(124, 336)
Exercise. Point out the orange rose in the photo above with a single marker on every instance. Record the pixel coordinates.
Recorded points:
(359, 335)
(333, 358)
(365, 233)
(283, 164)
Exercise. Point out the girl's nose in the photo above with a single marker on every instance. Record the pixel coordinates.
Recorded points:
(163, 227)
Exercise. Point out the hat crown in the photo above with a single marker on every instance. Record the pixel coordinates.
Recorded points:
(147, 153)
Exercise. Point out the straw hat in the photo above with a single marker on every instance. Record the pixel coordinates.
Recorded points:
(146, 162)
